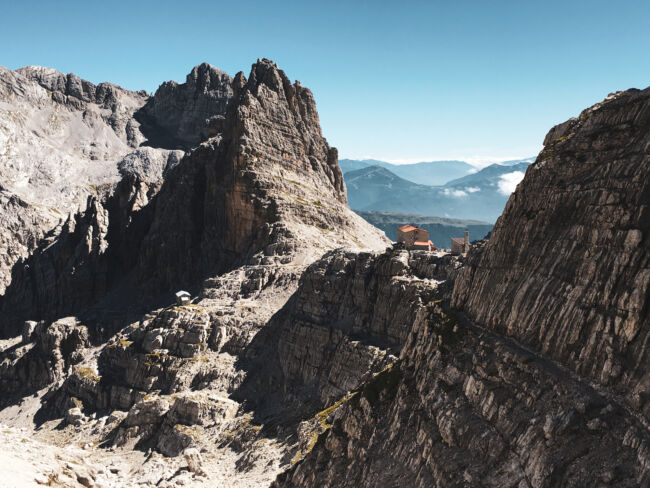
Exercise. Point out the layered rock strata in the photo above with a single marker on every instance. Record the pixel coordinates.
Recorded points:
(236, 220)
(61, 138)
(348, 319)
(464, 407)
(567, 268)
(551, 391)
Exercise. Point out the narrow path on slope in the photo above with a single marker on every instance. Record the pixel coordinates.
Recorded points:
(596, 392)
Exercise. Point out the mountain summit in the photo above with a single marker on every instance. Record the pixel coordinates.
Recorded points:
(263, 186)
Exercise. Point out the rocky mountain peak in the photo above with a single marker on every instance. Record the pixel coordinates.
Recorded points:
(269, 98)
(566, 268)
(63, 86)
(206, 77)
(260, 184)
(183, 115)
(522, 364)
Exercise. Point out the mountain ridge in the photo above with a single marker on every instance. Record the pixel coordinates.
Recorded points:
(481, 195)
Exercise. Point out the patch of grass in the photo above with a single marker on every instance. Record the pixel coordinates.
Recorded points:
(324, 414)
(190, 431)
(88, 373)
(560, 139)
(321, 426)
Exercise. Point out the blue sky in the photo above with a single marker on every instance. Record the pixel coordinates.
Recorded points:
(400, 81)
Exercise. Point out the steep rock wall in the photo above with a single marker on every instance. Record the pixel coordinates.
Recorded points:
(464, 408)
(348, 319)
(567, 268)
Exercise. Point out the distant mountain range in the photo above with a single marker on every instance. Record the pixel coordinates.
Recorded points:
(440, 230)
(426, 173)
(480, 195)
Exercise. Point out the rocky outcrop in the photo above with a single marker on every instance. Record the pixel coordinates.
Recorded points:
(76, 93)
(464, 407)
(265, 190)
(24, 226)
(46, 354)
(62, 138)
(348, 320)
(184, 115)
(566, 270)
(564, 274)
(236, 220)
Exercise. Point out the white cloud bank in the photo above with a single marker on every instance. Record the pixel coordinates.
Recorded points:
(509, 181)
(460, 193)
(454, 193)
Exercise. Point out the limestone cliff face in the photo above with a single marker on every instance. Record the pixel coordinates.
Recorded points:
(567, 268)
(348, 319)
(61, 139)
(465, 408)
(544, 384)
(268, 185)
(183, 115)
(265, 189)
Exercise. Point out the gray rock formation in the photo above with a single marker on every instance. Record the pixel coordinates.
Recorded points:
(564, 273)
(61, 138)
(46, 355)
(238, 218)
(267, 189)
(566, 270)
(184, 115)
(348, 320)
(463, 407)
(521, 365)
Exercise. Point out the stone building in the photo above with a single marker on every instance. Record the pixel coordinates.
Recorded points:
(182, 297)
(460, 245)
(414, 238)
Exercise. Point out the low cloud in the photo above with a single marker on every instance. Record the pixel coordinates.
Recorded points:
(509, 181)
(472, 189)
(454, 193)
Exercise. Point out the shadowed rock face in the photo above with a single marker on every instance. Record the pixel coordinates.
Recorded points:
(62, 138)
(348, 319)
(464, 408)
(183, 115)
(567, 268)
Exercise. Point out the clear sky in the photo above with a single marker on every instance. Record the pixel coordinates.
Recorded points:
(393, 80)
